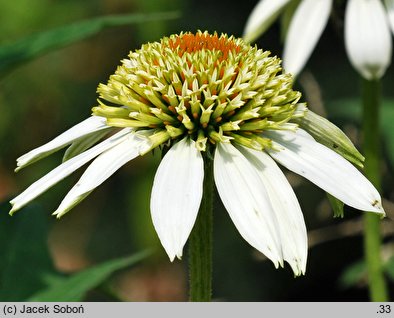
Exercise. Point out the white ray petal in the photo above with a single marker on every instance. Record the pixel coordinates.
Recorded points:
(176, 195)
(293, 235)
(104, 166)
(304, 31)
(88, 126)
(390, 12)
(326, 169)
(261, 17)
(64, 170)
(244, 196)
(367, 37)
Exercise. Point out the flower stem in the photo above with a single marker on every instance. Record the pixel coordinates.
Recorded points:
(200, 242)
(371, 148)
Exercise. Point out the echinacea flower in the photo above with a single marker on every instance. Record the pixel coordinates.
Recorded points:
(367, 31)
(202, 95)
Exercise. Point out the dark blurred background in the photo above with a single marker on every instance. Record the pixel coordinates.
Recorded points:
(41, 98)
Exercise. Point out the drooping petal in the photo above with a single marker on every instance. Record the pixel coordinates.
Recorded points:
(64, 170)
(390, 12)
(325, 168)
(176, 195)
(104, 166)
(262, 16)
(305, 29)
(88, 126)
(244, 196)
(367, 37)
(292, 229)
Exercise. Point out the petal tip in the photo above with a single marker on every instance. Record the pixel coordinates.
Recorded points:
(59, 213)
(12, 211)
(18, 168)
(173, 255)
(298, 266)
(14, 206)
(378, 208)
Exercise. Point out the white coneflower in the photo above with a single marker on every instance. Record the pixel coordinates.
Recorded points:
(367, 31)
(203, 95)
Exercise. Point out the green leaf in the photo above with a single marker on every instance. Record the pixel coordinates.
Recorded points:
(358, 272)
(353, 274)
(24, 255)
(40, 43)
(75, 287)
(336, 205)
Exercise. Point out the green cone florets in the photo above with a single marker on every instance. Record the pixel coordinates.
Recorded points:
(208, 87)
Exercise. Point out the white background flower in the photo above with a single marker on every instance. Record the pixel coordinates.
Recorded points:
(367, 32)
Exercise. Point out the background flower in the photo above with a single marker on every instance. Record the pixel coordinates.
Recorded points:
(367, 31)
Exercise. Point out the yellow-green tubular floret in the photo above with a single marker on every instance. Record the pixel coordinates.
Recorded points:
(212, 88)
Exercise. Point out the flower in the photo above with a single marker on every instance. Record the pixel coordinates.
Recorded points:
(202, 95)
(367, 31)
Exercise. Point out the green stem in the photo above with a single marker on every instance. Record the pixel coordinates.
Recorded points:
(371, 148)
(200, 242)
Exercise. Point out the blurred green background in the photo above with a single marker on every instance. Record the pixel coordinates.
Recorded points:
(86, 255)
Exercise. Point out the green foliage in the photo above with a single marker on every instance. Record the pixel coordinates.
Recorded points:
(75, 287)
(24, 256)
(26, 266)
(353, 274)
(357, 272)
(40, 43)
